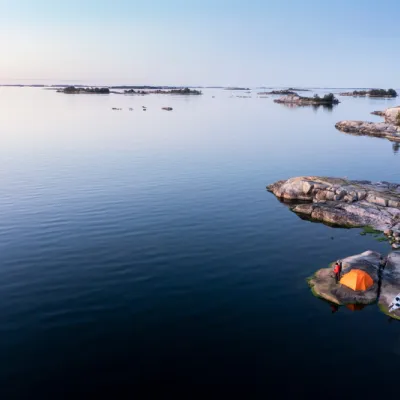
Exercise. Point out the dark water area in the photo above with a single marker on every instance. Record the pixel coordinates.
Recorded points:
(141, 249)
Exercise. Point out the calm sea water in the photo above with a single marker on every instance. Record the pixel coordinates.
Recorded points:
(141, 248)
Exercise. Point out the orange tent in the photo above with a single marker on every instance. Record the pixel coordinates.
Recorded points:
(355, 307)
(357, 280)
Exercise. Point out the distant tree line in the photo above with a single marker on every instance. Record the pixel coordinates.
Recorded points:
(74, 90)
(327, 99)
(185, 91)
(376, 93)
(133, 91)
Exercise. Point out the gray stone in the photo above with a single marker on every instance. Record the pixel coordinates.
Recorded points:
(341, 192)
(343, 208)
(381, 201)
(361, 195)
(307, 187)
(394, 203)
(390, 286)
(329, 195)
(388, 129)
(323, 283)
(320, 195)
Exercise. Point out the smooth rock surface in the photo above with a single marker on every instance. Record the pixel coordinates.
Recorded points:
(343, 202)
(377, 129)
(390, 115)
(323, 282)
(388, 129)
(390, 283)
(385, 274)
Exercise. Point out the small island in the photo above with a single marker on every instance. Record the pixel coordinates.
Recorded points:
(371, 93)
(299, 90)
(79, 90)
(279, 92)
(390, 129)
(384, 271)
(236, 88)
(184, 92)
(285, 91)
(143, 87)
(327, 100)
(137, 92)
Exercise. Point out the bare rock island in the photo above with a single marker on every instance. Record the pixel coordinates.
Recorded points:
(390, 129)
(344, 202)
(385, 273)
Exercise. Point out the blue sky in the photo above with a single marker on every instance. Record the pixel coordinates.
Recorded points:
(337, 43)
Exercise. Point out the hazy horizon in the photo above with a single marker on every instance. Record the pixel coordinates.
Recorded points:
(204, 43)
(49, 83)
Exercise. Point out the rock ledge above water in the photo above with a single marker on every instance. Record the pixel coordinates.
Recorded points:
(384, 272)
(343, 202)
(390, 129)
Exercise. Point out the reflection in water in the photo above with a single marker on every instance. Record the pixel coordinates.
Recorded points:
(139, 242)
(315, 107)
(396, 147)
(352, 307)
(355, 307)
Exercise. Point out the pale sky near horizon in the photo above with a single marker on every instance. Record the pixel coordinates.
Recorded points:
(341, 43)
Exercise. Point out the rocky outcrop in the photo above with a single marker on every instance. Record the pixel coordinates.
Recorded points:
(380, 113)
(323, 282)
(343, 202)
(391, 115)
(376, 129)
(390, 286)
(385, 273)
(390, 129)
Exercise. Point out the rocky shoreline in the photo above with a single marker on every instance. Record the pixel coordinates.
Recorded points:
(385, 272)
(350, 203)
(343, 202)
(390, 129)
(361, 128)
